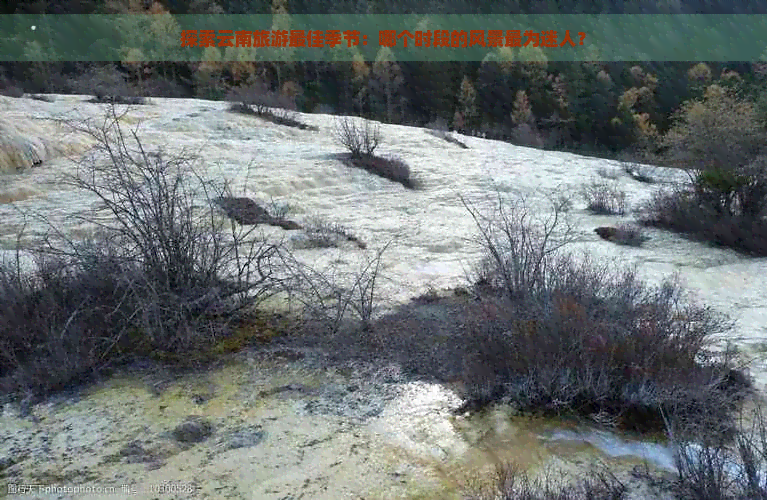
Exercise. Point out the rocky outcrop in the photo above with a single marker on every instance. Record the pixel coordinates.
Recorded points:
(622, 235)
(249, 213)
(607, 233)
(193, 430)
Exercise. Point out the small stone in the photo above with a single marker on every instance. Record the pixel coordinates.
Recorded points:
(193, 430)
(606, 233)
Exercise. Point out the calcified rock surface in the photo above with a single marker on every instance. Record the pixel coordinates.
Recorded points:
(266, 426)
(291, 429)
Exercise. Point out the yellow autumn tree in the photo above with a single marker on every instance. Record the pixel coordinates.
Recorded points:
(700, 73)
(639, 102)
(386, 78)
(291, 91)
(719, 131)
(522, 112)
(283, 55)
(135, 60)
(155, 22)
(467, 101)
(208, 76)
(360, 75)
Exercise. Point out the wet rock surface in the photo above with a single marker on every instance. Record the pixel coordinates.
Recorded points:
(247, 437)
(269, 427)
(266, 427)
(607, 233)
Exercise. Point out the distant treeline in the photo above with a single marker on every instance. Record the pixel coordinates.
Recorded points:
(605, 107)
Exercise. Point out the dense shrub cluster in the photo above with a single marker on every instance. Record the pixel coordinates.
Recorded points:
(361, 140)
(258, 100)
(558, 333)
(719, 140)
(639, 172)
(106, 85)
(679, 209)
(604, 198)
(64, 323)
(165, 277)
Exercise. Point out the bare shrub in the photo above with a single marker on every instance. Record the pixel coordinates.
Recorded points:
(630, 234)
(62, 323)
(107, 85)
(323, 234)
(279, 211)
(446, 136)
(163, 272)
(288, 118)
(562, 200)
(244, 109)
(605, 173)
(115, 99)
(360, 140)
(566, 204)
(511, 483)
(430, 296)
(440, 128)
(438, 125)
(679, 209)
(604, 198)
(721, 466)
(391, 167)
(519, 252)
(556, 333)
(327, 296)
(153, 199)
(259, 100)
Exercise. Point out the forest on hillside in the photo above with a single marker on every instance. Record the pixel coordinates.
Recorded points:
(602, 107)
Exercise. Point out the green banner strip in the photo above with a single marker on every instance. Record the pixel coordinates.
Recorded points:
(164, 37)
